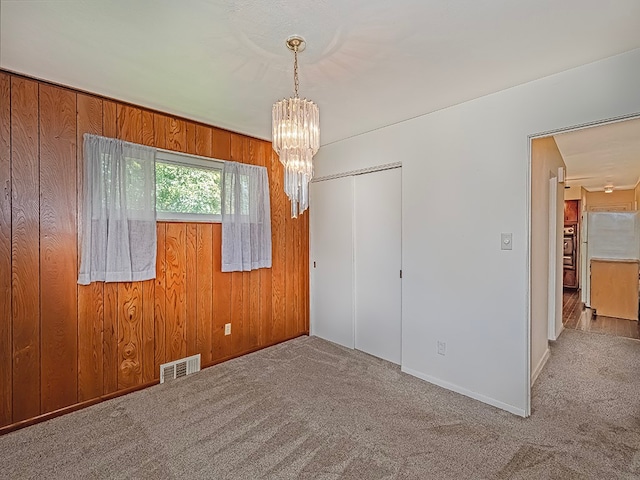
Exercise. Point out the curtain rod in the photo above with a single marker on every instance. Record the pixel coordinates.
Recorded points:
(192, 155)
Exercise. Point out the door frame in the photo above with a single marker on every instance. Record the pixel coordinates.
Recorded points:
(554, 259)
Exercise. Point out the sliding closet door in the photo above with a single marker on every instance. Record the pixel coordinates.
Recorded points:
(331, 262)
(377, 234)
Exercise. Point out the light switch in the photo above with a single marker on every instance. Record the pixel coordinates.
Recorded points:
(506, 241)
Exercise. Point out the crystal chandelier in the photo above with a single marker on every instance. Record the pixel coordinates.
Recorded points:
(296, 137)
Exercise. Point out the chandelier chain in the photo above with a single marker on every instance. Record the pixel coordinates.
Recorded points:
(296, 83)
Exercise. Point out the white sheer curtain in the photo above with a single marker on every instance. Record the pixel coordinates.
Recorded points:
(246, 218)
(118, 212)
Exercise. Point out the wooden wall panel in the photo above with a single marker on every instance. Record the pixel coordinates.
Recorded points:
(204, 289)
(254, 334)
(280, 209)
(129, 123)
(160, 123)
(190, 146)
(110, 291)
(5, 252)
(130, 294)
(253, 149)
(148, 331)
(90, 297)
(239, 280)
(129, 334)
(25, 248)
(149, 287)
(291, 252)
(245, 339)
(239, 148)
(266, 292)
(109, 337)
(204, 137)
(221, 144)
(176, 135)
(109, 119)
(58, 249)
(148, 131)
(237, 313)
(160, 335)
(250, 280)
(90, 340)
(175, 263)
(221, 344)
(191, 287)
(204, 264)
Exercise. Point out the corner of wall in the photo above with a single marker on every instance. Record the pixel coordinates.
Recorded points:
(543, 361)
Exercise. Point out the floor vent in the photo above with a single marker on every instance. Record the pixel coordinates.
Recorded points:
(179, 368)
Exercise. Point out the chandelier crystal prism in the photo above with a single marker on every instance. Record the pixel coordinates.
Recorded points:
(296, 137)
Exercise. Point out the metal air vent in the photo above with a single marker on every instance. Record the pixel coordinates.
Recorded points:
(179, 368)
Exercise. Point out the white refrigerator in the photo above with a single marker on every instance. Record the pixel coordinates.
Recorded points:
(607, 235)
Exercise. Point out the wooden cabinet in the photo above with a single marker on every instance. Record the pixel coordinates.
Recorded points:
(571, 211)
(569, 278)
(614, 288)
(570, 273)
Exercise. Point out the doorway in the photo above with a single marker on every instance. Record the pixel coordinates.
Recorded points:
(602, 175)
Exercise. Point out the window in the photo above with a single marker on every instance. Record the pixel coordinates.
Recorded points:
(188, 187)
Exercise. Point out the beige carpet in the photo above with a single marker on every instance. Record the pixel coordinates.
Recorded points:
(310, 409)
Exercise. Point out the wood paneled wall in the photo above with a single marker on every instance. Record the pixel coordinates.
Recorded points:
(63, 344)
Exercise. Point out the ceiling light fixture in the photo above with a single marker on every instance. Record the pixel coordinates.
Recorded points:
(296, 137)
(608, 189)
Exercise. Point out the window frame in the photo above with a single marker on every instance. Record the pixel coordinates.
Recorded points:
(188, 160)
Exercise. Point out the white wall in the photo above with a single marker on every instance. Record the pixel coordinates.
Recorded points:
(458, 286)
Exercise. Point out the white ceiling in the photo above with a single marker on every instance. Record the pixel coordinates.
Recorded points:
(368, 63)
(603, 155)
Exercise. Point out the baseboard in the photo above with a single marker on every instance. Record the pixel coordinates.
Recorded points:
(560, 331)
(467, 393)
(72, 408)
(252, 350)
(540, 366)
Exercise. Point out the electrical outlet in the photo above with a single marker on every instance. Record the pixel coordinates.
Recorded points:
(227, 329)
(442, 347)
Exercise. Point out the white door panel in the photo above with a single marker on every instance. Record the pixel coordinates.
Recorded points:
(378, 223)
(331, 262)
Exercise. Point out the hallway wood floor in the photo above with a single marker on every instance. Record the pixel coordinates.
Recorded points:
(576, 317)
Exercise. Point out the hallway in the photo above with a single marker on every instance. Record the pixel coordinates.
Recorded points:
(575, 317)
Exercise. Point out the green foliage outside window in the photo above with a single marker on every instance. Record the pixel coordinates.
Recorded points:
(187, 189)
